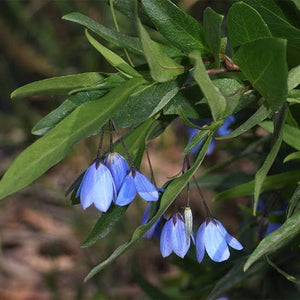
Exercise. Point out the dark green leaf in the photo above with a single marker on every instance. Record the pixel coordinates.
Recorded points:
(52, 147)
(294, 78)
(273, 182)
(215, 99)
(263, 62)
(196, 140)
(262, 113)
(212, 23)
(171, 192)
(175, 25)
(275, 240)
(294, 202)
(245, 24)
(57, 85)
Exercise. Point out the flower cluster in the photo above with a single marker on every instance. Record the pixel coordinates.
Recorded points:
(112, 180)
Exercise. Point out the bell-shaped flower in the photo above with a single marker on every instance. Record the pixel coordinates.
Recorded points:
(118, 167)
(155, 229)
(173, 237)
(136, 182)
(97, 186)
(213, 237)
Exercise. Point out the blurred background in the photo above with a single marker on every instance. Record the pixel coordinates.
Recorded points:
(40, 231)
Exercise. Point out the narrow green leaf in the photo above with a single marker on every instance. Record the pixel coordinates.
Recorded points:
(263, 62)
(261, 114)
(215, 99)
(294, 78)
(114, 59)
(162, 67)
(291, 135)
(294, 202)
(57, 85)
(198, 138)
(52, 147)
(264, 169)
(276, 240)
(292, 156)
(172, 191)
(273, 182)
(245, 24)
(175, 25)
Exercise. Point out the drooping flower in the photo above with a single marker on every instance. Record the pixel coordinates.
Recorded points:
(136, 182)
(97, 187)
(213, 237)
(155, 229)
(118, 167)
(173, 237)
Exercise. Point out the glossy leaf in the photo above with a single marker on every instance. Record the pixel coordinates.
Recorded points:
(261, 114)
(114, 59)
(212, 23)
(272, 182)
(276, 240)
(263, 62)
(171, 192)
(215, 99)
(162, 67)
(294, 78)
(245, 24)
(52, 147)
(292, 156)
(57, 85)
(175, 25)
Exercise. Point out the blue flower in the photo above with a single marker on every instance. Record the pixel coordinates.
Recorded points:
(173, 237)
(155, 229)
(223, 130)
(118, 167)
(136, 182)
(97, 186)
(213, 237)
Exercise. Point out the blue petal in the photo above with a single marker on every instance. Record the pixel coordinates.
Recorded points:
(86, 186)
(231, 241)
(145, 188)
(200, 247)
(127, 191)
(118, 167)
(215, 243)
(211, 147)
(165, 238)
(180, 243)
(145, 217)
(104, 191)
(153, 230)
(224, 129)
(272, 227)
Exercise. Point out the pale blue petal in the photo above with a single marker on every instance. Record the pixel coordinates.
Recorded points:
(180, 242)
(145, 188)
(231, 241)
(215, 243)
(104, 191)
(200, 247)
(165, 238)
(152, 230)
(127, 191)
(145, 217)
(86, 186)
(211, 147)
(118, 167)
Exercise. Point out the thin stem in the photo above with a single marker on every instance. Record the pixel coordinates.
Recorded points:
(111, 144)
(202, 198)
(188, 194)
(111, 4)
(216, 71)
(131, 163)
(98, 157)
(151, 169)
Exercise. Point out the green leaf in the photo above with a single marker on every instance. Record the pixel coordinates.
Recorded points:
(292, 156)
(263, 62)
(196, 140)
(261, 174)
(146, 103)
(215, 99)
(52, 147)
(162, 67)
(212, 23)
(294, 78)
(57, 85)
(294, 202)
(245, 24)
(262, 113)
(175, 25)
(276, 240)
(273, 182)
(171, 192)
(115, 60)
(291, 135)
(65, 109)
